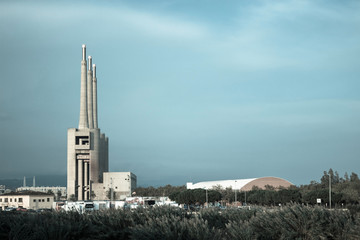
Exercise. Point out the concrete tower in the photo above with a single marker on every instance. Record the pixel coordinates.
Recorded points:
(87, 148)
(95, 97)
(83, 120)
(90, 94)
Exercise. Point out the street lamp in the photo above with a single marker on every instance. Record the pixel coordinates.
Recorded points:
(245, 197)
(235, 192)
(330, 190)
(206, 194)
(207, 199)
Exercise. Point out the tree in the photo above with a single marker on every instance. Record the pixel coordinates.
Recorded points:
(228, 195)
(72, 197)
(50, 192)
(58, 195)
(354, 177)
(109, 193)
(92, 195)
(195, 196)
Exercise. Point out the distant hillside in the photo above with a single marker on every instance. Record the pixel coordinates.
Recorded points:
(44, 180)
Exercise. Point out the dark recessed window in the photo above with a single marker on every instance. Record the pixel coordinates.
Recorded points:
(34, 200)
(20, 199)
(48, 199)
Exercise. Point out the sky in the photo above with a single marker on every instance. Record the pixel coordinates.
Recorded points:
(188, 91)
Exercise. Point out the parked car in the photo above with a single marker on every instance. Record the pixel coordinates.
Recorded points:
(10, 209)
(44, 210)
(21, 209)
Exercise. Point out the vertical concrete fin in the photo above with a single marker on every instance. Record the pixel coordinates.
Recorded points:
(83, 120)
(90, 94)
(95, 115)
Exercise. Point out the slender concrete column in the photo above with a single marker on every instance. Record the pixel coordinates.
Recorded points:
(83, 121)
(90, 95)
(71, 163)
(95, 115)
(86, 179)
(95, 169)
(80, 180)
(106, 149)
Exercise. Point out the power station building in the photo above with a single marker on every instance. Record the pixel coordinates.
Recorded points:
(88, 148)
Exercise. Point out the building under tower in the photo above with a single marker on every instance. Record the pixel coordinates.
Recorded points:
(87, 148)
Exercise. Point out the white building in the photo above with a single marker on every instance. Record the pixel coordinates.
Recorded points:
(27, 200)
(242, 184)
(121, 184)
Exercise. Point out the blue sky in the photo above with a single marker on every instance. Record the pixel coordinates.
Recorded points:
(187, 90)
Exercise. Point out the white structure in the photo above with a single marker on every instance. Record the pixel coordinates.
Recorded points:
(28, 200)
(55, 190)
(242, 184)
(79, 206)
(87, 149)
(120, 184)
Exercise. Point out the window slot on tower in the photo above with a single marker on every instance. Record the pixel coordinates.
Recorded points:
(82, 140)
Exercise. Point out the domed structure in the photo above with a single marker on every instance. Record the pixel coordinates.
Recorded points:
(242, 184)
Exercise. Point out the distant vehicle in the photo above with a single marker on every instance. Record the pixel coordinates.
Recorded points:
(21, 209)
(42, 210)
(79, 206)
(149, 202)
(134, 206)
(10, 209)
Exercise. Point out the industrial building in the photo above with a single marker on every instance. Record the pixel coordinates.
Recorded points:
(87, 147)
(27, 200)
(242, 184)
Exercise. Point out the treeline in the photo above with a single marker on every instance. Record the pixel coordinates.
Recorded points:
(344, 191)
(292, 222)
(163, 191)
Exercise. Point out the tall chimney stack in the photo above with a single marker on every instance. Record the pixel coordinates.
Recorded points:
(90, 94)
(83, 121)
(95, 118)
(24, 183)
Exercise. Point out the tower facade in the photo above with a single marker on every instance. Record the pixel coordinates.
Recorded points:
(87, 147)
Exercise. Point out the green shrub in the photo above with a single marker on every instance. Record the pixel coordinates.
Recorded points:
(290, 222)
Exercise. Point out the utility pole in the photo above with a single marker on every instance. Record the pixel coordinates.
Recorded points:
(245, 198)
(330, 190)
(111, 191)
(207, 200)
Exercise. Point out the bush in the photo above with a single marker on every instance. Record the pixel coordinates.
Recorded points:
(290, 222)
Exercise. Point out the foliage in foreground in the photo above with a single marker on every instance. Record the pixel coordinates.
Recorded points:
(293, 222)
